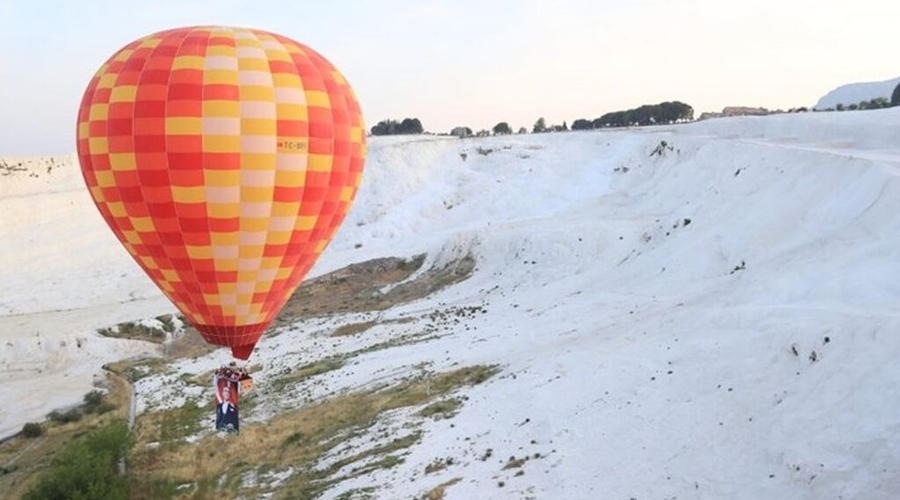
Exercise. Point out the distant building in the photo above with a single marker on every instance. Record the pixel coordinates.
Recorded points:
(736, 111)
(744, 111)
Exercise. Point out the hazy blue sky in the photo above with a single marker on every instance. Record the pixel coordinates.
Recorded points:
(473, 62)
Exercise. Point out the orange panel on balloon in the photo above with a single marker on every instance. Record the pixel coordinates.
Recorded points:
(224, 160)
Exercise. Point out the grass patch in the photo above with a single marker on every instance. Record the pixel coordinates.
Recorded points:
(438, 492)
(136, 331)
(135, 369)
(515, 463)
(438, 465)
(408, 339)
(441, 409)
(353, 329)
(367, 493)
(306, 371)
(374, 285)
(385, 463)
(169, 427)
(189, 344)
(23, 460)
(298, 439)
(86, 467)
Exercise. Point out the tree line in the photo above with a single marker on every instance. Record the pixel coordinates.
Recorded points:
(664, 113)
(876, 103)
(651, 114)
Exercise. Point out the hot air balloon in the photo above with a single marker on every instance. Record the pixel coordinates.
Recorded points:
(224, 159)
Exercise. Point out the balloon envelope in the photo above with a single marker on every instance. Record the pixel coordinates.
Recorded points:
(224, 160)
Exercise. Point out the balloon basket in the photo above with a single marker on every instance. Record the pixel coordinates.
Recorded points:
(238, 375)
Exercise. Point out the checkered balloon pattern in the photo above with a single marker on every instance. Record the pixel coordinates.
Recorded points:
(224, 160)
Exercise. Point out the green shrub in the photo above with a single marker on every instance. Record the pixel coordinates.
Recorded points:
(94, 403)
(64, 417)
(92, 399)
(32, 430)
(86, 468)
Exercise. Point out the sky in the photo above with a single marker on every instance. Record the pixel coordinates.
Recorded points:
(473, 62)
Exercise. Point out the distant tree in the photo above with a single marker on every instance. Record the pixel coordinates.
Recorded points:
(462, 132)
(482, 133)
(655, 114)
(411, 126)
(879, 102)
(385, 127)
(582, 124)
(853, 107)
(392, 127)
(895, 97)
(539, 126)
(502, 128)
(523, 130)
(839, 107)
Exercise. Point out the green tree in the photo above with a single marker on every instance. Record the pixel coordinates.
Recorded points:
(648, 114)
(502, 128)
(879, 102)
(410, 126)
(895, 97)
(582, 124)
(539, 126)
(385, 127)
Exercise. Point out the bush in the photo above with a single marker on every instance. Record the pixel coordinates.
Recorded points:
(877, 103)
(73, 415)
(168, 323)
(94, 403)
(92, 399)
(87, 468)
(32, 430)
